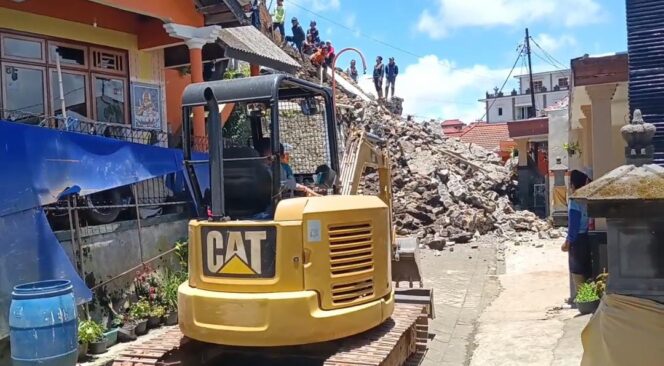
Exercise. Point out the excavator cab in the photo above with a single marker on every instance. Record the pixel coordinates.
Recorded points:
(266, 268)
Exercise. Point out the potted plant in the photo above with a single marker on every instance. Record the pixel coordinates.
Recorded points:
(587, 298)
(127, 331)
(83, 341)
(92, 333)
(139, 312)
(154, 317)
(572, 148)
(170, 297)
(112, 334)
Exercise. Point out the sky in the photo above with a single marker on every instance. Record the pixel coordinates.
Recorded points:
(450, 52)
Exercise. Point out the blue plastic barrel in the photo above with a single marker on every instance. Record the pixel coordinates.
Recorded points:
(43, 324)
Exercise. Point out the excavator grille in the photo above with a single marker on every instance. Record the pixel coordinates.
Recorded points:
(351, 262)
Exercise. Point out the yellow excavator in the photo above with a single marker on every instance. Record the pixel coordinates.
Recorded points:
(267, 269)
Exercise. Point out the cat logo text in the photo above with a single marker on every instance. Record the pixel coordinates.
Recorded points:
(239, 252)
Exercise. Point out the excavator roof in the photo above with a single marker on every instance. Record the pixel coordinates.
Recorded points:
(252, 89)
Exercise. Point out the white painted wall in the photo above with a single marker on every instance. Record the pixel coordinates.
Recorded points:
(508, 101)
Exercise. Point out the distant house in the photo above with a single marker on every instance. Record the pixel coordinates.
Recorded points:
(493, 137)
(452, 127)
(550, 87)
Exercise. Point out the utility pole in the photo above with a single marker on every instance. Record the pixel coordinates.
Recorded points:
(532, 113)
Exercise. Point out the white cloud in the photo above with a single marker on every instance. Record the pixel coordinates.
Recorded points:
(319, 5)
(351, 23)
(552, 44)
(454, 14)
(435, 88)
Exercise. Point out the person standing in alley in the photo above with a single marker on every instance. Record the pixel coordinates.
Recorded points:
(298, 35)
(278, 19)
(378, 74)
(352, 71)
(391, 72)
(577, 244)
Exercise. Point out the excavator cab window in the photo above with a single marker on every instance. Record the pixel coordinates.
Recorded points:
(241, 183)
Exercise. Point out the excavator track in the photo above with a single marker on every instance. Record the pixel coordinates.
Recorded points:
(401, 340)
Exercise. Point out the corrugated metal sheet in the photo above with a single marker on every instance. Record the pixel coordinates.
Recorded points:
(645, 29)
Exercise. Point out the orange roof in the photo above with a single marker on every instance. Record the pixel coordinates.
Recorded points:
(452, 122)
(487, 135)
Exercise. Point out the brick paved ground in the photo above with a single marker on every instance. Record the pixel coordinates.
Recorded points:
(464, 282)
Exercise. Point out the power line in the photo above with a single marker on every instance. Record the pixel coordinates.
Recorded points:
(548, 55)
(518, 57)
(355, 31)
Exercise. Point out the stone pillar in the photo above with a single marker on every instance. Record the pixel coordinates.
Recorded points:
(255, 70)
(196, 60)
(601, 97)
(195, 39)
(522, 147)
(586, 123)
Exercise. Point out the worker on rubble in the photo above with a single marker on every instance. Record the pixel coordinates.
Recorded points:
(577, 243)
(352, 71)
(391, 72)
(313, 31)
(309, 46)
(278, 19)
(378, 74)
(298, 35)
(329, 58)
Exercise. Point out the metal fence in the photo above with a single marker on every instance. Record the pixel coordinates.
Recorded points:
(81, 124)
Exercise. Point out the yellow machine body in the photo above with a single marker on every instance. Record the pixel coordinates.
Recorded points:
(319, 271)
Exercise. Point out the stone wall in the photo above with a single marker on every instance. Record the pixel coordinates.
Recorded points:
(109, 250)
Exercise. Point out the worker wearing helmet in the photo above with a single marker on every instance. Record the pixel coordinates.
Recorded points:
(313, 31)
(298, 35)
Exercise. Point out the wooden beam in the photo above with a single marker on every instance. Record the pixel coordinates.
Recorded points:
(220, 18)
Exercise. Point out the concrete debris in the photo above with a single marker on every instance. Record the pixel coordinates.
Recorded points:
(445, 191)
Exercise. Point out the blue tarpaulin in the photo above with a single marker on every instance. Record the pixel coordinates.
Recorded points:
(36, 165)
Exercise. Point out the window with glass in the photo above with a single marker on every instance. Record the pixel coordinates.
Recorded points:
(563, 82)
(74, 93)
(22, 48)
(40, 76)
(110, 99)
(23, 91)
(538, 85)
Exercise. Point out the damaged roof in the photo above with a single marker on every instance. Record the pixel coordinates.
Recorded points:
(250, 45)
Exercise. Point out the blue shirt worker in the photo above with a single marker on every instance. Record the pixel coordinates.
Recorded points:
(391, 72)
(577, 244)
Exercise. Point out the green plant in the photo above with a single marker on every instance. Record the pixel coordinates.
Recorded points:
(140, 310)
(587, 293)
(600, 283)
(182, 252)
(157, 311)
(170, 289)
(118, 322)
(572, 148)
(90, 331)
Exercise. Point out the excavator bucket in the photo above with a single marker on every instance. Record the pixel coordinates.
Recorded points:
(406, 269)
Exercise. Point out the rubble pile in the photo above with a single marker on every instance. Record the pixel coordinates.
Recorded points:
(444, 190)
